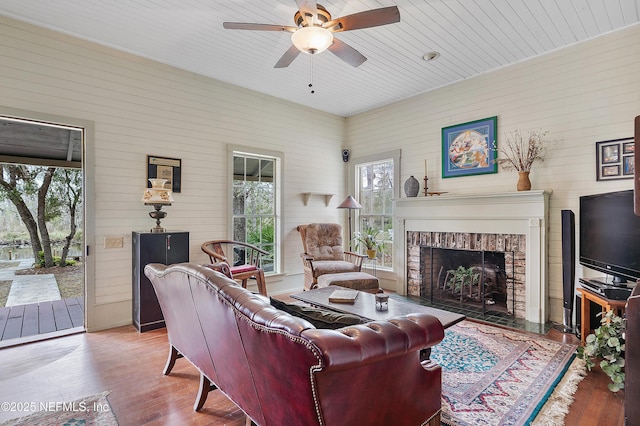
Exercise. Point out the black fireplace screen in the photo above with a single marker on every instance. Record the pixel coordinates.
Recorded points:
(475, 279)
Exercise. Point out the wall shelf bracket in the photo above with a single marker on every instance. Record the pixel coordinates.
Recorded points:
(307, 195)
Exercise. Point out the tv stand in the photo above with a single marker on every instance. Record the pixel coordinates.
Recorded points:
(618, 306)
(609, 291)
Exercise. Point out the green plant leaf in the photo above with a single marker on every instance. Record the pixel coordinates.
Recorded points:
(606, 345)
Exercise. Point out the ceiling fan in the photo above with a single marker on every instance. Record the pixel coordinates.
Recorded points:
(314, 30)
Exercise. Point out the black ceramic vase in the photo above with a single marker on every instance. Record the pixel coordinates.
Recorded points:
(411, 187)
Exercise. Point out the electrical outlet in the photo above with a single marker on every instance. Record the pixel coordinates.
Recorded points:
(113, 242)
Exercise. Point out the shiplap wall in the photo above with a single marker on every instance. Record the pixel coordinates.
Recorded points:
(582, 94)
(139, 107)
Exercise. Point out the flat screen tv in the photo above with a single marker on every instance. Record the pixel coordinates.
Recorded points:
(610, 235)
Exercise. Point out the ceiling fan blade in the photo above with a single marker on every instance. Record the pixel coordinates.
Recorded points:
(308, 9)
(367, 19)
(257, 27)
(287, 58)
(347, 53)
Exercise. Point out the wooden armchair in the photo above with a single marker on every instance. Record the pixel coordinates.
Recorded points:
(249, 266)
(324, 254)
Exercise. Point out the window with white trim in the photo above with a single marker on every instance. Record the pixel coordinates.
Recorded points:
(374, 182)
(255, 205)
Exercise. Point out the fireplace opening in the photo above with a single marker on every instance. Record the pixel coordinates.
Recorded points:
(474, 279)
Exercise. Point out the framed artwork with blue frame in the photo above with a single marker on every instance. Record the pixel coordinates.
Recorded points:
(470, 148)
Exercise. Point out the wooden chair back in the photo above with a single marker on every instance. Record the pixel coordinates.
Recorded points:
(249, 266)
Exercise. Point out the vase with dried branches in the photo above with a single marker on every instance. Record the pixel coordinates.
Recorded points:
(519, 153)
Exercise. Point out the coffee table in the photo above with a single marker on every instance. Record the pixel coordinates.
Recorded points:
(365, 306)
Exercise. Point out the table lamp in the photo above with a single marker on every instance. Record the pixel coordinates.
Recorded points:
(157, 196)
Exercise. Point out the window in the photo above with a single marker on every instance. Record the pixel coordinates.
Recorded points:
(374, 182)
(255, 205)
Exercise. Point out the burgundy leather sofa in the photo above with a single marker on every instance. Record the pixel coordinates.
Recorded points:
(281, 370)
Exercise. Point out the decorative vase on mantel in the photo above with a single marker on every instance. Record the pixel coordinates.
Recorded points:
(524, 184)
(411, 187)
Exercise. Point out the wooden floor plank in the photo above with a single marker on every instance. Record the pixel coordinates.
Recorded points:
(76, 312)
(30, 320)
(61, 315)
(13, 328)
(46, 322)
(4, 316)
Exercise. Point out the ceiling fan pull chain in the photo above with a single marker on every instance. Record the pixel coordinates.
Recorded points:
(311, 75)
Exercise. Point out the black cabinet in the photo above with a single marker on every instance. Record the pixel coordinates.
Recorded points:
(153, 247)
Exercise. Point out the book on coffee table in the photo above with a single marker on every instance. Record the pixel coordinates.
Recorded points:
(343, 296)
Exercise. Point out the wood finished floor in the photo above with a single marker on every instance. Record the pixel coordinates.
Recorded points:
(129, 365)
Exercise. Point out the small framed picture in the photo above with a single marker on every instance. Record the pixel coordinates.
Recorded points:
(628, 148)
(165, 168)
(610, 171)
(611, 153)
(615, 159)
(628, 166)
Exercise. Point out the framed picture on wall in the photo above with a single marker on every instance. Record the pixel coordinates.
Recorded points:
(615, 159)
(469, 148)
(165, 168)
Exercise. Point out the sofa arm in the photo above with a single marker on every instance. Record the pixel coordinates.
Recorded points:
(374, 341)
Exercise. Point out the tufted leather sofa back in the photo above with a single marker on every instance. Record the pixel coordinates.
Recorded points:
(280, 370)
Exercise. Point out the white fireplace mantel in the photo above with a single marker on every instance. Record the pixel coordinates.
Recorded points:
(524, 213)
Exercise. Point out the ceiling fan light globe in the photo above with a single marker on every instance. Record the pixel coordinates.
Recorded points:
(312, 40)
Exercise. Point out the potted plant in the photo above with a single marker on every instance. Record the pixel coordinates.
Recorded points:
(607, 345)
(520, 154)
(368, 239)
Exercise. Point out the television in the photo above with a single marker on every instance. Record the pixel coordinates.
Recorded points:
(610, 235)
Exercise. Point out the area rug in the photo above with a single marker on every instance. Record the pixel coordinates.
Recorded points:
(495, 376)
(92, 410)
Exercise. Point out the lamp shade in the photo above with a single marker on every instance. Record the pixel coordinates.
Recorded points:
(157, 194)
(350, 203)
(312, 40)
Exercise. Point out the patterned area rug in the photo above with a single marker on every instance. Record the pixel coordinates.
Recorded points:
(493, 376)
(92, 410)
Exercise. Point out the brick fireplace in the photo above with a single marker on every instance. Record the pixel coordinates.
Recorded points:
(427, 266)
(511, 223)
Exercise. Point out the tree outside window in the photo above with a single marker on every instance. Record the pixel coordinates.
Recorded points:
(374, 186)
(255, 218)
(48, 201)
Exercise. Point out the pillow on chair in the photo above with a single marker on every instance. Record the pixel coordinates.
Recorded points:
(320, 318)
(324, 241)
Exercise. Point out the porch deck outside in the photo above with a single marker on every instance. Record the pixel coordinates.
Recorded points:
(32, 307)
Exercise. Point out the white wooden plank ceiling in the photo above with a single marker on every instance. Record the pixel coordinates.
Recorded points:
(472, 36)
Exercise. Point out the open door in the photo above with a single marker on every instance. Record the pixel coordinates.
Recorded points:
(42, 248)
